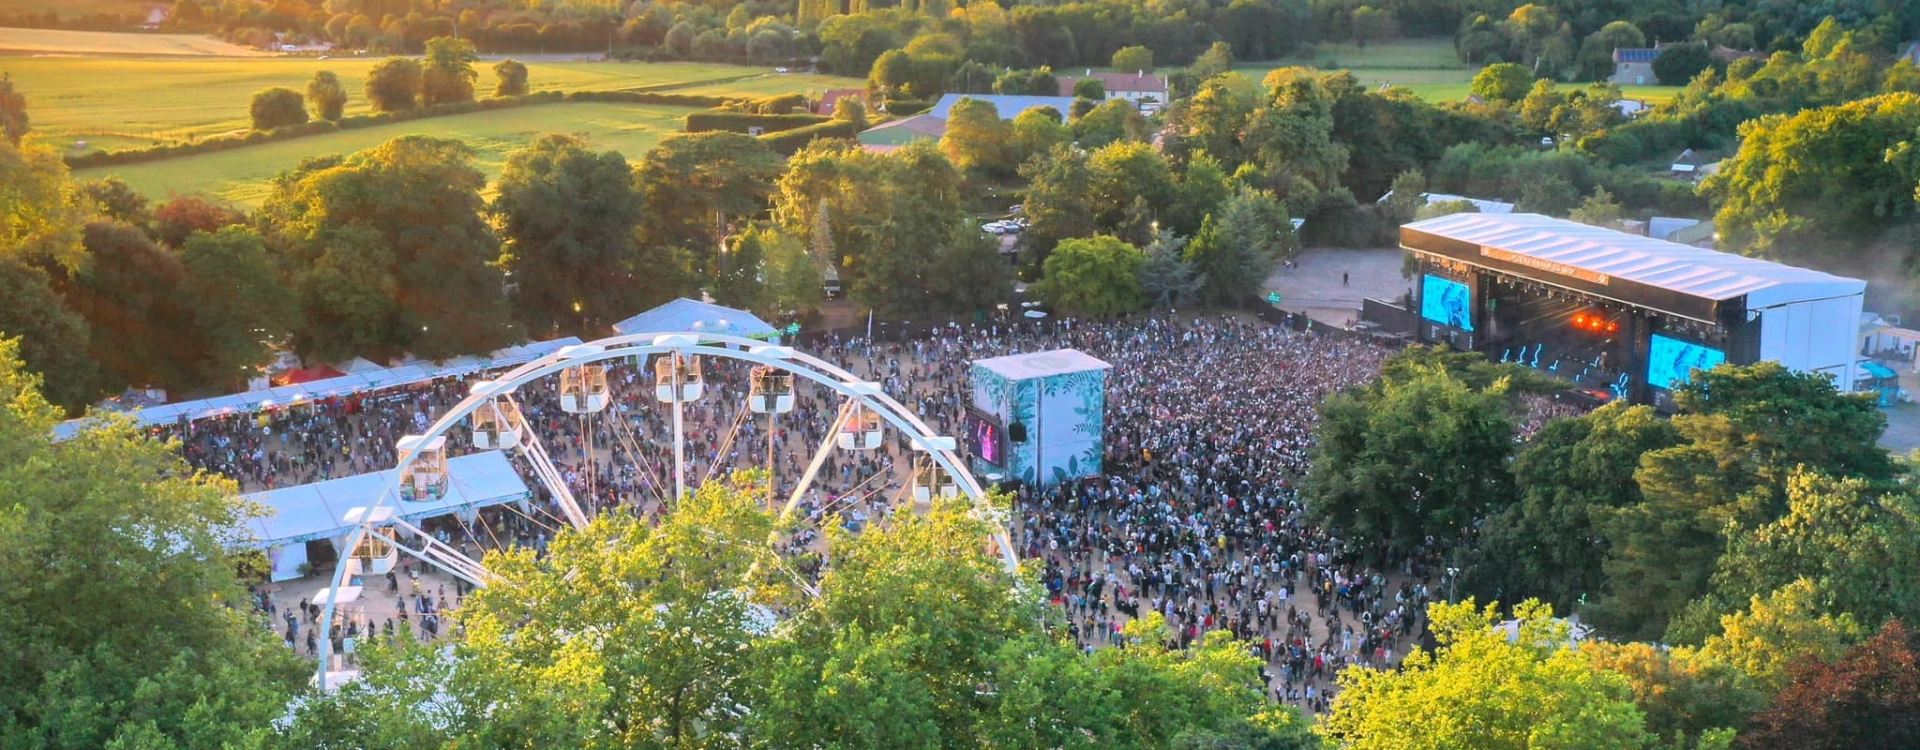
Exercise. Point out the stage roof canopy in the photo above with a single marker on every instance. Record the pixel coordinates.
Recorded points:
(1042, 364)
(1682, 269)
(318, 511)
(693, 316)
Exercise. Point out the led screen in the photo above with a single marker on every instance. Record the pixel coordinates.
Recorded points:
(1446, 302)
(983, 439)
(1671, 362)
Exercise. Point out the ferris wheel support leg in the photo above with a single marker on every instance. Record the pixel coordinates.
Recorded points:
(679, 440)
(536, 453)
(443, 556)
(325, 644)
(819, 458)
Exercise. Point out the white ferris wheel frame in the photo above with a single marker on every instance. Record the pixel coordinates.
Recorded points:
(853, 390)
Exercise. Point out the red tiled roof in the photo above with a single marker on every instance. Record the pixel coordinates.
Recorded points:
(828, 99)
(1118, 82)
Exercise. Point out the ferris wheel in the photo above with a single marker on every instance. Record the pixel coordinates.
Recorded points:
(649, 392)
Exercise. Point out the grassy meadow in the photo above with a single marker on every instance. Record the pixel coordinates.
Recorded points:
(71, 8)
(240, 175)
(117, 103)
(1427, 67)
(57, 42)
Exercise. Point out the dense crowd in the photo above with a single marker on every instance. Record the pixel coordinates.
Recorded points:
(1208, 431)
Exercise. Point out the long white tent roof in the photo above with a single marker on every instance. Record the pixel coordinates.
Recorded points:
(1675, 267)
(360, 381)
(318, 511)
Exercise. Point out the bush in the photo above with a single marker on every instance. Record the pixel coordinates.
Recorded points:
(739, 122)
(787, 142)
(277, 107)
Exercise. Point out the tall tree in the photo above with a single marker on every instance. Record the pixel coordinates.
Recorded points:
(1133, 58)
(1241, 245)
(1166, 277)
(238, 304)
(159, 655)
(1059, 203)
(13, 112)
(1690, 698)
(1292, 137)
(51, 341)
(1093, 276)
(977, 139)
(1547, 544)
(696, 187)
(393, 85)
(129, 295)
(182, 215)
(1419, 453)
(1481, 689)
(446, 72)
(1782, 629)
(567, 215)
(327, 96)
(41, 210)
(513, 78)
(380, 277)
(1867, 698)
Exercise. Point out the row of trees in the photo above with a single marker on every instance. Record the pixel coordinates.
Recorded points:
(1760, 525)
(444, 76)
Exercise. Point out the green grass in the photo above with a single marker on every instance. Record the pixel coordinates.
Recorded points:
(1427, 67)
(115, 104)
(772, 84)
(61, 42)
(76, 7)
(240, 175)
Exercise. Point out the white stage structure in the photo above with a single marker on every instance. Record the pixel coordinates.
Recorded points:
(1048, 409)
(863, 410)
(318, 510)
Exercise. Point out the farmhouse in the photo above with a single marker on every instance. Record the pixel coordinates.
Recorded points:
(1633, 66)
(1145, 90)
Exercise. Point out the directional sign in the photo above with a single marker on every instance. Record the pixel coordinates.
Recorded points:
(793, 329)
(1273, 298)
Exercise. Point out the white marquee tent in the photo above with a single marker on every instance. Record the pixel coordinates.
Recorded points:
(694, 316)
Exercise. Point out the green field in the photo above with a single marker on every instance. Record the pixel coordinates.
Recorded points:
(240, 175)
(77, 7)
(1427, 67)
(131, 103)
(52, 41)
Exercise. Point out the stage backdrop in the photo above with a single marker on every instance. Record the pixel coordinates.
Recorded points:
(1060, 396)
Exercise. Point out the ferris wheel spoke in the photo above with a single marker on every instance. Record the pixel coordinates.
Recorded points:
(443, 555)
(819, 457)
(549, 475)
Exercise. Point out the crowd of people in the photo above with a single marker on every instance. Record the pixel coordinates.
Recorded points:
(1208, 431)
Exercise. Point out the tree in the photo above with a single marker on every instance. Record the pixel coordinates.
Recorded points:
(41, 210)
(1404, 201)
(1239, 247)
(794, 281)
(1677, 64)
(1091, 89)
(1042, 83)
(1112, 120)
(1059, 203)
(567, 214)
(1744, 431)
(1575, 471)
(1292, 138)
(326, 96)
(1133, 58)
(1480, 689)
(277, 107)
(118, 201)
(182, 215)
(1035, 132)
(237, 302)
(1802, 183)
(13, 112)
(1373, 24)
(378, 277)
(1599, 209)
(1688, 696)
(393, 85)
(1166, 278)
(446, 73)
(1869, 697)
(162, 656)
(892, 71)
(1502, 82)
(1131, 182)
(694, 187)
(1216, 60)
(977, 139)
(129, 296)
(1093, 276)
(513, 78)
(1417, 454)
(50, 340)
(1779, 630)
(849, 109)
